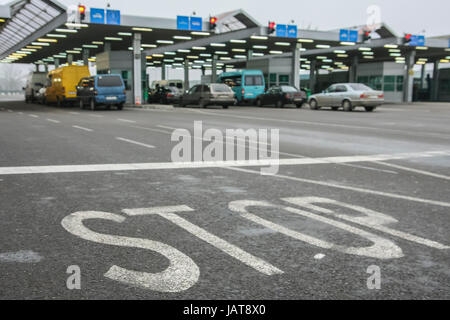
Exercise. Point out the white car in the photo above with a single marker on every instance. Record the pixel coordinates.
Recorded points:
(347, 96)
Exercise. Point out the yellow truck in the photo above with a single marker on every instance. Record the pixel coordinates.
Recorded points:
(62, 84)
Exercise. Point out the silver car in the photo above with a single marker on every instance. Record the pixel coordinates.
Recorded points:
(347, 96)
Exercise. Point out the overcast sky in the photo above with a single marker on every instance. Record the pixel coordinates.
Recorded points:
(411, 16)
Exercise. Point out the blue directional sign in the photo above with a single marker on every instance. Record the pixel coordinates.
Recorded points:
(97, 15)
(292, 31)
(353, 36)
(344, 35)
(113, 17)
(282, 30)
(196, 24)
(182, 22)
(417, 41)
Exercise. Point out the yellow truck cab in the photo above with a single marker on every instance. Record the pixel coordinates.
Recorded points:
(62, 86)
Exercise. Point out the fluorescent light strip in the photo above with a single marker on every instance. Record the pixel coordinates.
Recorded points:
(66, 30)
(182, 38)
(142, 29)
(197, 33)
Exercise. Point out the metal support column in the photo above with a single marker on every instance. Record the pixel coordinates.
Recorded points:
(107, 47)
(353, 72)
(312, 75)
(137, 69)
(435, 82)
(295, 72)
(86, 57)
(70, 59)
(163, 71)
(409, 76)
(214, 69)
(186, 74)
(249, 55)
(56, 62)
(422, 76)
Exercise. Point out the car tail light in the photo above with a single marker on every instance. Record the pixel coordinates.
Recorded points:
(287, 95)
(169, 95)
(381, 96)
(243, 92)
(364, 96)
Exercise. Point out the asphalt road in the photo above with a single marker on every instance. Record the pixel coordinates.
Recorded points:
(311, 231)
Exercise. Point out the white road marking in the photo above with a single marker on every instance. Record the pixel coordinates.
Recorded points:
(226, 247)
(9, 110)
(82, 128)
(381, 248)
(338, 186)
(181, 274)
(33, 116)
(368, 168)
(125, 120)
(427, 173)
(212, 164)
(319, 256)
(136, 143)
(74, 113)
(24, 256)
(54, 121)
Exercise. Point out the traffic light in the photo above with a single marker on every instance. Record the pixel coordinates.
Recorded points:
(272, 26)
(366, 36)
(82, 12)
(212, 23)
(407, 38)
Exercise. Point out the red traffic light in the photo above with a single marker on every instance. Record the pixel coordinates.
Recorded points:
(213, 20)
(408, 36)
(272, 26)
(81, 9)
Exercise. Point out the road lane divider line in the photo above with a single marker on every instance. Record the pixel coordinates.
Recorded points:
(136, 143)
(33, 116)
(82, 128)
(54, 121)
(356, 189)
(427, 173)
(125, 120)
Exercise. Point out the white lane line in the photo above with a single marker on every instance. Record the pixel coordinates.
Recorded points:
(356, 189)
(74, 113)
(33, 116)
(9, 110)
(82, 128)
(427, 173)
(368, 168)
(54, 121)
(212, 164)
(24, 256)
(136, 143)
(125, 120)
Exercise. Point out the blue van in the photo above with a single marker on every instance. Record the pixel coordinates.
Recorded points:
(102, 89)
(246, 84)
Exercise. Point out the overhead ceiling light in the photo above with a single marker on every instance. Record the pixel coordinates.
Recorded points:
(182, 38)
(66, 30)
(76, 25)
(47, 40)
(260, 47)
(179, 59)
(92, 59)
(395, 50)
(340, 51)
(368, 53)
(170, 53)
(285, 44)
(34, 47)
(90, 46)
(275, 52)
(221, 52)
(342, 55)
(369, 57)
(364, 49)
(258, 54)
(164, 41)
(323, 46)
(238, 41)
(225, 58)
(56, 35)
(305, 40)
(192, 57)
(98, 42)
(198, 33)
(184, 50)
(445, 61)
(113, 39)
(157, 55)
(45, 44)
(218, 45)
(346, 43)
(327, 60)
(126, 34)
(391, 46)
(426, 59)
(395, 54)
(149, 45)
(259, 37)
(421, 48)
(321, 57)
(28, 49)
(205, 55)
(400, 61)
(198, 48)
(240, 56)
(448, 49)
(142, 29)
(73, 51)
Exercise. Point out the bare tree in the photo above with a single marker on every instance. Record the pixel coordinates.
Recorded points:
(13, 76)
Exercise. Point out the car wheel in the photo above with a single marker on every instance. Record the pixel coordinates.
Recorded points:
(92, 104)
(280, 104)
(120, 106)
(370, 109)
(81, 104)
(347, 106)
(225, 107)
(202, 104)
(313, 104)
(335, 108)
(299, 105)
(259, 103)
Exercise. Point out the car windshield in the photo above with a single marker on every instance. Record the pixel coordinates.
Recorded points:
(220, 88)
(359, 87)
(288, 89)
(109, 81)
